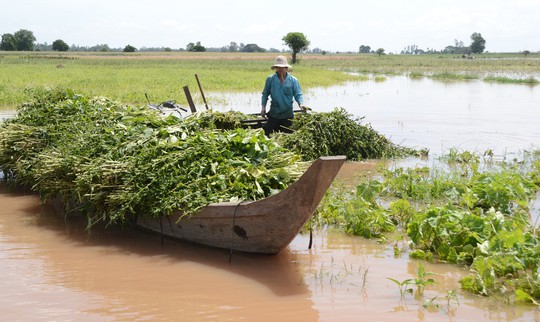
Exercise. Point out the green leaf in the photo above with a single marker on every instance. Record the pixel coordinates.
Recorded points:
(524, 297)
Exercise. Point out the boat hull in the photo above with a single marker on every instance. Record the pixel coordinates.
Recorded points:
(265, 226)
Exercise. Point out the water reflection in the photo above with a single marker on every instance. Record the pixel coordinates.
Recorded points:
(350, 287)
(129, 274)
(427, 113)
(6, 114)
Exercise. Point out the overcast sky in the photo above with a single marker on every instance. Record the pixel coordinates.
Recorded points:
(332, 25)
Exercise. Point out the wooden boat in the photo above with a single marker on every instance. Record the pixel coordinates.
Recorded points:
(265, 226)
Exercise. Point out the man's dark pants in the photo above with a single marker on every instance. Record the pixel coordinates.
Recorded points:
(273, 124)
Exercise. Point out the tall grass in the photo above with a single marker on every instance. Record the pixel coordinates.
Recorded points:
(127, 76)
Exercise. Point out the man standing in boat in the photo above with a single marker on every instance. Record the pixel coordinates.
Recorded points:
(283, 89)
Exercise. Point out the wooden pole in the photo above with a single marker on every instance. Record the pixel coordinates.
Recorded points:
(190, 100)
(202, 93)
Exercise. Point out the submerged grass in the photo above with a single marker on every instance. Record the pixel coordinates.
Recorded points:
(454, 76)
(503, 79)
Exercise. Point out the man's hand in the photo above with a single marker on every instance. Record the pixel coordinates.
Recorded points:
(304, 108)
(263, 112)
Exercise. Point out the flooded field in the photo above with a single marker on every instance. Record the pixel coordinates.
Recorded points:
(427, 113)
(54, 270)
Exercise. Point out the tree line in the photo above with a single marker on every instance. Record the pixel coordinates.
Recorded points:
(477, 46)
(24, 40)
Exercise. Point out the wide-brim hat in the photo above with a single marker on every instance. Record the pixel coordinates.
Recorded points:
(281, 61)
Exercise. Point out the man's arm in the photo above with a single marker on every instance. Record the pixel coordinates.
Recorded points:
(298, 96)
(265, 94)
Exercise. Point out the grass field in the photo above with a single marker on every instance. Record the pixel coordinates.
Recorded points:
(127, 77)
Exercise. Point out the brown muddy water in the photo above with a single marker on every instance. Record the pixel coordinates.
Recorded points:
(54, 270)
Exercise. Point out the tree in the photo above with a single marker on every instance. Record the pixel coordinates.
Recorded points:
(60, 45)
(24, 40)
(129, 49)
(8, 43)
(380, 51)
(43, 47)
(412, 50)
(525, 52)
(364, 49)
(233, 47)
(297, 41)
(195, 47)
(478, 43)
(253, 48)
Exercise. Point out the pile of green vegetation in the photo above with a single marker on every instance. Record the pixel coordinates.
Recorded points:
(322, 134)
(478, 218)
(116, 160)
(340, 133)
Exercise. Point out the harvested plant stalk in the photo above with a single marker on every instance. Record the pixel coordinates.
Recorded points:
(118, 160)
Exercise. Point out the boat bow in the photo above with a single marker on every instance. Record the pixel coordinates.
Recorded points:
(264, 226)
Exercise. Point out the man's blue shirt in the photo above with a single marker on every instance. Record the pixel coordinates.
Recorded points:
(282, 95)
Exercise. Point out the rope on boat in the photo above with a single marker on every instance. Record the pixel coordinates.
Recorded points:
(161, 228)
(232, 229)
(310, 233)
